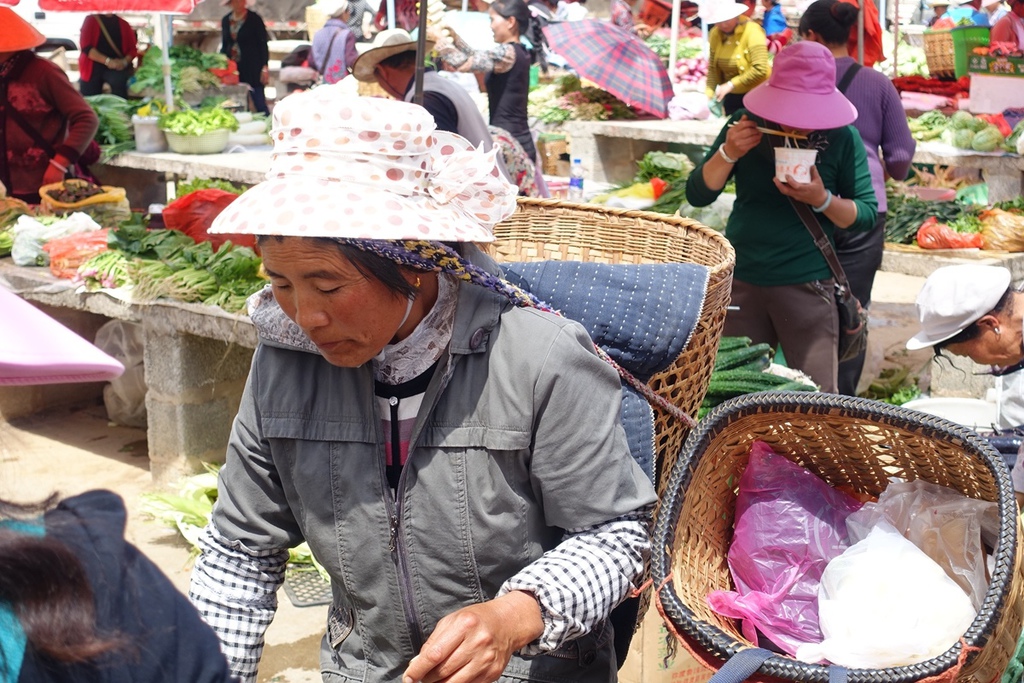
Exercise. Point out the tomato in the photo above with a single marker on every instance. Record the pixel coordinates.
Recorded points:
(659, 186)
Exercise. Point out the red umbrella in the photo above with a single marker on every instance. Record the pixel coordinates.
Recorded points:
(116, 6)
(615, 60)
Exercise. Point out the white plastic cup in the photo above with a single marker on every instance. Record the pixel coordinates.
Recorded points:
(791, 161)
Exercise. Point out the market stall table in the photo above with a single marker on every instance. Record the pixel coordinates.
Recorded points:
(610, 149)
(196, 360)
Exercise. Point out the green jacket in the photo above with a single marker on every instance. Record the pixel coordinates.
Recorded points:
(772, 245)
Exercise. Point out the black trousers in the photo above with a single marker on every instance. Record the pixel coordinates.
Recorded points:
(117, 80)
(860, 254)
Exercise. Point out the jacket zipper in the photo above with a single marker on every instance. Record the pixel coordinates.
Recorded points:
(395, 544)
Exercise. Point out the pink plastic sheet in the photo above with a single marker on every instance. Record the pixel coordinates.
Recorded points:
(36, 349)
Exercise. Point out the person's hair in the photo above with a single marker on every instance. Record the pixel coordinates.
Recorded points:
(369, 264)
(401, 60)
(49, 591)
(830, 19)
(1005, 304)
(514, 9)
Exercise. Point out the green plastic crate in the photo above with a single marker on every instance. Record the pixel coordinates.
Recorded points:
(965, 39)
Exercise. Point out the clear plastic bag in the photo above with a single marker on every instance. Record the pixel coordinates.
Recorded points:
(125, 397)
(885, 603)
(949, 527)
(789, 525)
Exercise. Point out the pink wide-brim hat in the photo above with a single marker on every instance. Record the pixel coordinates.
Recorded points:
(355, 167)
(801, 92)
(36, 349)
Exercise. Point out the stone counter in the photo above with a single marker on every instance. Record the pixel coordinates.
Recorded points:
(196, 361)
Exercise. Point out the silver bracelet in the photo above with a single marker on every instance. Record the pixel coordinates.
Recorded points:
(824, 205)
(728, 159)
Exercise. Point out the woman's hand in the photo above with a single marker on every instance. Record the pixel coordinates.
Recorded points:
(722, 90)
(264, 76)
(813, 193)
(475, 643)
(52, 174)
(741, 137)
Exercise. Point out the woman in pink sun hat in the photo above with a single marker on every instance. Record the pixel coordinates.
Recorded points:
(782, 285)
(417, 419)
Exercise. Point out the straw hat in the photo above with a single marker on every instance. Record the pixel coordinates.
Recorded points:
(801, 92)
(370, 168)
(385, 44)
(17, 34)
(717, 11)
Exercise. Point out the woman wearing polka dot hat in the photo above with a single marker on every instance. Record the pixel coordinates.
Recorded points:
(451, 451)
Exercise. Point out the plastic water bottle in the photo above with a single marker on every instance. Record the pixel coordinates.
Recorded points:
(576, 180)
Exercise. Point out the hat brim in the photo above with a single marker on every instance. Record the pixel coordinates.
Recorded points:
(801, 110)
(19, 34)
(364, 65)
(724, 15)
(922, 341)
(305, 207)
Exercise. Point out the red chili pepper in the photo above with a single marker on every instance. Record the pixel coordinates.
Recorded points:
(659, 186)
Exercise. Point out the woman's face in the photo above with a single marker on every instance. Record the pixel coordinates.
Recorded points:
(504, 28)
(728, 26)
(988, 347)
(348, 316)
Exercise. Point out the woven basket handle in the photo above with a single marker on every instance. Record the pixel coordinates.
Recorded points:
(745, 664)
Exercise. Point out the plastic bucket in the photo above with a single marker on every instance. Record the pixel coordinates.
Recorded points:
(791, 161)
(148, 138)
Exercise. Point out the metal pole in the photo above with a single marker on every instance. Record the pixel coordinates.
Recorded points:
(672, 42)
(391, 13)
(421, 54)
(860, 33)
(896, 42)
(166, 32)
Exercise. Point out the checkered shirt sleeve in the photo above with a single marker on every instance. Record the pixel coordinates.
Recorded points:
(235, 591)
(578, 582)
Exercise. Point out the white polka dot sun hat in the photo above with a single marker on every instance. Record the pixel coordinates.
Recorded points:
(345, 166)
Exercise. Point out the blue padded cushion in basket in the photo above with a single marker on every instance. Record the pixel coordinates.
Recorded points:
(643, 315)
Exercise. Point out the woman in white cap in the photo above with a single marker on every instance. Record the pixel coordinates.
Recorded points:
(334, 45)
(974, 311)
(782, 285)
(451, 451)
(738, 54)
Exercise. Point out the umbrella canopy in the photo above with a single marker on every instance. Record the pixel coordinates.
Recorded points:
(117, 6)
(617, 61)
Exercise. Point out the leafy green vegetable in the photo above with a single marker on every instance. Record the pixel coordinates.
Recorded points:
(189, 70)
(669, 166)
(6, 242)
(198, 121)
(189, 186)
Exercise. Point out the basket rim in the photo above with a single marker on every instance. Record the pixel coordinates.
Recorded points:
(723, 646)
(680, 222)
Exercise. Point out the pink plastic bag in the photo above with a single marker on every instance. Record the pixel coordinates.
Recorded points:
(789, 524)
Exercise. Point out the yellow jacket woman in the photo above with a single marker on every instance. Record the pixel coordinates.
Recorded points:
(738, 55)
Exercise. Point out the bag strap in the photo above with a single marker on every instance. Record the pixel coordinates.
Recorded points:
(742, 665)
(110, 41)
(821, 241)
(327, 55)
(36, 136)
(847, 78)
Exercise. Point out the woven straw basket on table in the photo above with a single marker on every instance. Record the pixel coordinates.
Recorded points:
(848, 442)
(552, 230)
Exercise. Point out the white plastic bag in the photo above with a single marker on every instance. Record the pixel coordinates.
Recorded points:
(689, 106)
(885, 603)
(30, 235)
(125, 397)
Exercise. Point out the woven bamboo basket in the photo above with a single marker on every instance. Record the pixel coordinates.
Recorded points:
(940, 54)
(849, 442)
(551, 230)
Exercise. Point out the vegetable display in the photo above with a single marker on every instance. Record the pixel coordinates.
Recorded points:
(115, 133)
(190, 70)
(198, 121)
(568, 99)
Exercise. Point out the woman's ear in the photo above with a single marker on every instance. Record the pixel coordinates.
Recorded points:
(989, 322)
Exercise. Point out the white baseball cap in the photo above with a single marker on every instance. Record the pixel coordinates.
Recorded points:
(953, 297)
